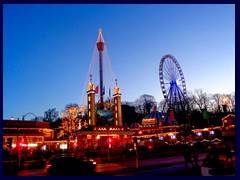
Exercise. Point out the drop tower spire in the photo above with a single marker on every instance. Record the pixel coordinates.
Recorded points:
(100, 46)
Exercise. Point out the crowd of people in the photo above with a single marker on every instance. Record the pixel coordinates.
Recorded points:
(191, 154)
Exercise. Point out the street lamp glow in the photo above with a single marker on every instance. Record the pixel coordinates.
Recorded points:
(225, 100)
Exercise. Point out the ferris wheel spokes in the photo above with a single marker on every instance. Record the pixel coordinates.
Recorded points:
(172, 83)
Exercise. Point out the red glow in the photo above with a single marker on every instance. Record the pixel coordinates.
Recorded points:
(109, 140)
(48, 166)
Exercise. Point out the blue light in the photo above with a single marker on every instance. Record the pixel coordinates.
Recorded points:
(199, 133)
(211, 132)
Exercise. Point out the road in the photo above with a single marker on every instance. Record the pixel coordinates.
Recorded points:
(173, 165)
(128, 168)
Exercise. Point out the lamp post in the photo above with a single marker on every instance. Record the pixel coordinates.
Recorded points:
(17, 147)
(225, 104)
(109, 141)
(135, 148)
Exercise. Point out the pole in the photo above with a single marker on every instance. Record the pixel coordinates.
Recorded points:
(136, 158)
(108, 147)
(12, 159)
(101, 76)
(18, 152)
(135, 147)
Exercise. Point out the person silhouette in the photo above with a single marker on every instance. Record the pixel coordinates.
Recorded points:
(228, 153)
(187, 156)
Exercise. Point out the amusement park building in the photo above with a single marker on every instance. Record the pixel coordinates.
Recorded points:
(31, 135)
(26, 133)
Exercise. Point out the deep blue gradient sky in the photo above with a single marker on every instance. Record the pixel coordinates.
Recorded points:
(47, 50)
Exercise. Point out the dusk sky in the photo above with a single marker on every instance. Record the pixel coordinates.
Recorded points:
(47, 50)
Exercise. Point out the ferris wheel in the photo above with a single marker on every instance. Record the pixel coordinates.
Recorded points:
(172, 83)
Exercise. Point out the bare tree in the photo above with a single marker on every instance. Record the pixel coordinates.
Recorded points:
(191, 103)
(50, 115)
(231, 102)
(161, 105)
(201, 99)
(145, 104)
(217, 100)
(138, 106)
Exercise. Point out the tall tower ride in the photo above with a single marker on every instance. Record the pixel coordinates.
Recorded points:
(100, 46)
(106, 113)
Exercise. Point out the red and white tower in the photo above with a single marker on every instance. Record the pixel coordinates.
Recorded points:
(100, 46)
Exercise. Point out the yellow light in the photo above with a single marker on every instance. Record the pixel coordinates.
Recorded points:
(32, 145)
(225, 100)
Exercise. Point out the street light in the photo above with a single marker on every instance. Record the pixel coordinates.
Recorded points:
(109, 141)
(225, 104)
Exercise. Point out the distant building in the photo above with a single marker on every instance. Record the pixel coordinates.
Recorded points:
(228, 124)
(32, 134)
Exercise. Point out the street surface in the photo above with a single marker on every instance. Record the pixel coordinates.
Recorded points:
(163, 166)
(128, 168)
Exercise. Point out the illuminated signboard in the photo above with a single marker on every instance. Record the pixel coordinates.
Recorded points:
(110, 129)
(149, 121)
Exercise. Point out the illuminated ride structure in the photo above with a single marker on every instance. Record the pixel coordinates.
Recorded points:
(104, 114)
(172, 83)
(105, 128)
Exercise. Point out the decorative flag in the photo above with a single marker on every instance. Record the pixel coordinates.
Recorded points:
(205, 113)
(103, 90)
(96, 89)
(155, 108)
(171, 114)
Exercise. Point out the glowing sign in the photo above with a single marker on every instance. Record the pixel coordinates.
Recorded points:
(102, 129)
(110, 129)
(149, 121)
(63, 146)
(114, 129)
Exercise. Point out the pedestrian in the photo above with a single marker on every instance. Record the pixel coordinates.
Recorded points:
(215, 153)
(195, 156)
(187, 156)
(228, 153)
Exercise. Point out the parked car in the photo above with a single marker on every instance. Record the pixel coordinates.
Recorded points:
(69, 165)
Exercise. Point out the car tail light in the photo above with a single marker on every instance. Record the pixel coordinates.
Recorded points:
(48, 166)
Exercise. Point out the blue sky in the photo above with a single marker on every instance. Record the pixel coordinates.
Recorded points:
(47, 50)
